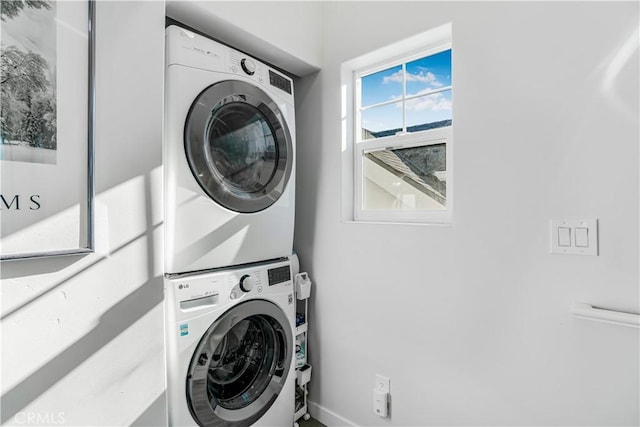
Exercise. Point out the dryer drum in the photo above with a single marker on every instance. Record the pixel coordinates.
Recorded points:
(238, 146)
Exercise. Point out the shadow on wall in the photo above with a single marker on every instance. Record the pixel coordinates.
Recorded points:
(45, 265)
(115, 321)
(150, 417)
(309, 140)
(118, 318)
(210, 240)
(30, 267)
(309, 157)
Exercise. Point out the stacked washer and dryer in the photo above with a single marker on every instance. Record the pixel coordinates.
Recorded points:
(229, 169)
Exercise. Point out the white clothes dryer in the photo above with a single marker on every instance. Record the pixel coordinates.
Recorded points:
(229, 156)
(230, 347)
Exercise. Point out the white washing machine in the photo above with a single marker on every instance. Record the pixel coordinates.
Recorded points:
(230, 347)
(229, 160)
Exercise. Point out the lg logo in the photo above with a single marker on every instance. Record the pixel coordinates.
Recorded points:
(185, 286)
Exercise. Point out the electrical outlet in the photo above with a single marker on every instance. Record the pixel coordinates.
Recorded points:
(382, 384)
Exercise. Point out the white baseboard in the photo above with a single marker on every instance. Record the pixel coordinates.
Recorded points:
(327, 417)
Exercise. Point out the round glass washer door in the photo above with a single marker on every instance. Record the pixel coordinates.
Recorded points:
(240, 365)
(238, 146)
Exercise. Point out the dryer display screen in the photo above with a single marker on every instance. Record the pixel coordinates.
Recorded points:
(279, 82)
(279, 275)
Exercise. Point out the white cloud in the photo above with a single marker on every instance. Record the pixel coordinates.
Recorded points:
(423, 77)
(435, 102)
(394, 78)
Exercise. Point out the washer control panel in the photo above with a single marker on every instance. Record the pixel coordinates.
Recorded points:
(248, 66)
(279, 274)
(245, 282)
(195, 291)
(256, 281)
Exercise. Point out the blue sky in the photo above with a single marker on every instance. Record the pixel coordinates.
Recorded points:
(423, 75)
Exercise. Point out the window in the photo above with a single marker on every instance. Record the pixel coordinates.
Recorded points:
(399, 131)
(411, 97)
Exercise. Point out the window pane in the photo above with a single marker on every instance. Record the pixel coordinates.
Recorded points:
(405, 179)
(382, 86)
(381, 121)
(429, 73)
(429, 112)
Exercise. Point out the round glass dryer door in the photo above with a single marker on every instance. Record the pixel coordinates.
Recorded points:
(240, 365)
(238, 146)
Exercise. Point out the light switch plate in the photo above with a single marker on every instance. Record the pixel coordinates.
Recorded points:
(582, 235)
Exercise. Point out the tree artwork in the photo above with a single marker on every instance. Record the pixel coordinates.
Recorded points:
(27, 88)
(12, 8)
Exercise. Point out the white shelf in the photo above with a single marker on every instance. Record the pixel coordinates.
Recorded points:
(303, 373)
(301, 412)
(302, 329)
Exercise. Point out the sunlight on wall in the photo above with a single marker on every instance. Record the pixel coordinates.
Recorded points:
(223, 238)
(104, 378)
(134, 196)
(613, 68)
(343, 116)
(100, 334)
(66, 224)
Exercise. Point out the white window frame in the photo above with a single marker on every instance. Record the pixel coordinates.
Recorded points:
(354, 148)
(416, 139)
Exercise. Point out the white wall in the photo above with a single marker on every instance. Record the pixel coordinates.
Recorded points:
(82, 337)
(472, 321)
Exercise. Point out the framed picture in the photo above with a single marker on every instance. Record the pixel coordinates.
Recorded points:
(46, 128)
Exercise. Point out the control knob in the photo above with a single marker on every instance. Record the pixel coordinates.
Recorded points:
(246, 283)
(248, 66)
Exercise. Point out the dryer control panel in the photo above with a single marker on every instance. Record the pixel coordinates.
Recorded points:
(184, 47)
(280, 82)
(241, 64)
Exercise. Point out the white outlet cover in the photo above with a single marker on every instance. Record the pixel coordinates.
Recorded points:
(382, 384)
(583, 235)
